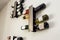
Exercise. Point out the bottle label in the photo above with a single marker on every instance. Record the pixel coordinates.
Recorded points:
(41, 26)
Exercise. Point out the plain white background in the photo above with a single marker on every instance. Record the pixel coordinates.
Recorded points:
(12, 26)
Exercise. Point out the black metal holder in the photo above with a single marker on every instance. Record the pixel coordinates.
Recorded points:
(35, 10)
(15, 12)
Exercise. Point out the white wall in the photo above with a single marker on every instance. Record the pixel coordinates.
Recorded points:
(9, 26)
(3, 3)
